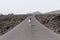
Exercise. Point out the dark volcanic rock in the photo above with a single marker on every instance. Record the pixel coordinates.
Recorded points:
(52, 21)
(7, 22)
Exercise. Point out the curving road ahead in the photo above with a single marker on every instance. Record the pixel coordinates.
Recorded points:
(27, 31)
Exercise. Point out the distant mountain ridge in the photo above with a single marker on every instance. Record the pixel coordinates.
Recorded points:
(53, 12)
(34, 13)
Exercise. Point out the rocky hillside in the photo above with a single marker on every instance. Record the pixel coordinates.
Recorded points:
(7, 22)
(52, 21)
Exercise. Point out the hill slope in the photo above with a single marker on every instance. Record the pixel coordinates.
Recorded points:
(50, 20)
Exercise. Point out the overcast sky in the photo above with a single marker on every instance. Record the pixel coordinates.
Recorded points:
(27, 6)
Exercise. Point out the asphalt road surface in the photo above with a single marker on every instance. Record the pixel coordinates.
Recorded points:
(40, 32)
(30, 31)
(21, 32)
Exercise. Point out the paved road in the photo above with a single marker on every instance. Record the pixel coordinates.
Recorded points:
(40, 32)
(33, 31)
(20, 32)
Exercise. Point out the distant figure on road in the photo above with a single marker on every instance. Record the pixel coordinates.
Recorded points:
(30, 20)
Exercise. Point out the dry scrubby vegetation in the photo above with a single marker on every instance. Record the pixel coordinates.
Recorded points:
(7, 22)
(52, 21)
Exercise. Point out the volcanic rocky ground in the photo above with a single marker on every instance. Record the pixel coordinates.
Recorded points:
(7, 22)
(51, 21)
